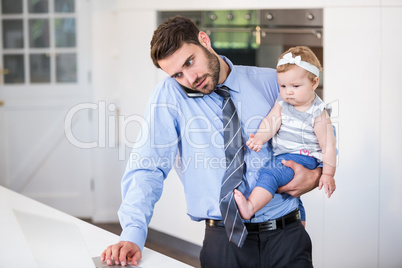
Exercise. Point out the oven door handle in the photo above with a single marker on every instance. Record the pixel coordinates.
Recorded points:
(314, 31)
(259, 32)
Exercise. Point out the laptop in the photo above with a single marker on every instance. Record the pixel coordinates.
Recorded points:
(56, 243)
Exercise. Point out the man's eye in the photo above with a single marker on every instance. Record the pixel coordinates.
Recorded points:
(190, 62)
(177, 75)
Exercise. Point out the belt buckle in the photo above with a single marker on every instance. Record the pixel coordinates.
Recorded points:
(272, 225)
(268, 226)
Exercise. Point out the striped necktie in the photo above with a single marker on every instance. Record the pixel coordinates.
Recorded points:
(235, 229)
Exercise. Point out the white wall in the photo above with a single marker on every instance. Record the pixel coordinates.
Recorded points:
(359, 226)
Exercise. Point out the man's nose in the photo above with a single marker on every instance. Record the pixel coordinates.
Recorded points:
(190, 76)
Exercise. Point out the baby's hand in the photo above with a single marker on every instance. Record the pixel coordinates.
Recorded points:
(254, 143)
(329, 184)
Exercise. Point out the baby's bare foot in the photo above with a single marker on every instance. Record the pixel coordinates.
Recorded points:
(243, 205)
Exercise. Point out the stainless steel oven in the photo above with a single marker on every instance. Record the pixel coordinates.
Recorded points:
(259, 37)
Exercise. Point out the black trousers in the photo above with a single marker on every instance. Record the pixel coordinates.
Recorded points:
(289, 247)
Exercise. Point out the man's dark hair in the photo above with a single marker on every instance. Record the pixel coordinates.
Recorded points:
(171, 35)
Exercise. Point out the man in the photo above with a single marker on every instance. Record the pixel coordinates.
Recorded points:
(190, 132)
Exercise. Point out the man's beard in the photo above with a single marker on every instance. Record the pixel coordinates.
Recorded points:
(213, 73)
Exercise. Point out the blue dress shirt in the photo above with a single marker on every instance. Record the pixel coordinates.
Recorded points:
(186, 134)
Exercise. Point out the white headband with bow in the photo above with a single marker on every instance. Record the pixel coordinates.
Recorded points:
(288, 58)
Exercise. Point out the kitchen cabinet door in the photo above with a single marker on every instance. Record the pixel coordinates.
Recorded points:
(351, 3)
(217, 5)
(390, 241)
(352, 81)
(391, 3)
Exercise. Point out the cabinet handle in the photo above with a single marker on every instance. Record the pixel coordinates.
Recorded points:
(118, 126)
(3, 71)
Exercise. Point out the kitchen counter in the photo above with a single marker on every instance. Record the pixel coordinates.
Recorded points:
(21, 217)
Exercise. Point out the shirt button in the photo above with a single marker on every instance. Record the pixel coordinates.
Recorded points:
(250, 173)
(255, 219)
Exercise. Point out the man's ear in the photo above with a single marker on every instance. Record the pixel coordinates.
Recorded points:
(204, 40)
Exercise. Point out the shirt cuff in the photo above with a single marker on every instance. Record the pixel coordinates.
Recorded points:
(135, 235)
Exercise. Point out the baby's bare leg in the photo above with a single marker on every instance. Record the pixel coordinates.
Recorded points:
(258, 198)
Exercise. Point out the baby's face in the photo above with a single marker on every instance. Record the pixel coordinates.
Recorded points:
(296, 88)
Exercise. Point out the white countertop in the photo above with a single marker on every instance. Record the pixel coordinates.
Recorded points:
(16, 250)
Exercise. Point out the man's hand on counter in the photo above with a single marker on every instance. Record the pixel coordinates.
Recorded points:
(121, 253)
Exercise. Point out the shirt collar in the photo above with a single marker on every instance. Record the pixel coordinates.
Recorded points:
(231, 80)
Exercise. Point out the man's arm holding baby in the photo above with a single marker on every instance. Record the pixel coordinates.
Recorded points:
(304, 180)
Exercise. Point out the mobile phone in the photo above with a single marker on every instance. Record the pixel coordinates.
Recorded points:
(192, 93)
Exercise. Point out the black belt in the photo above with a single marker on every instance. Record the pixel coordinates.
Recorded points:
(271, 225)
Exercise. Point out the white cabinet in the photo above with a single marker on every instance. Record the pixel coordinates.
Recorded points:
(352, 78)
(351, 3)
(216, 5)
(390, 186)
(107, 169)
(391, 3)
(250, 4)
